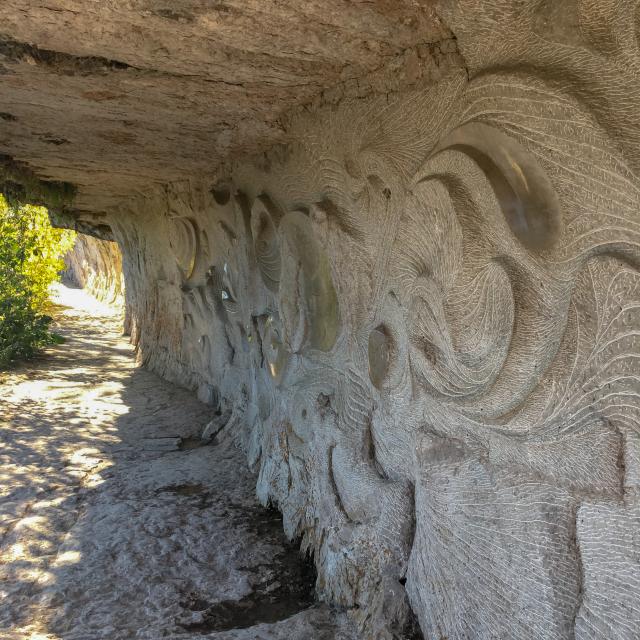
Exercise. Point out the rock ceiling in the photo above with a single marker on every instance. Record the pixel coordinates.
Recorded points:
(115, 96)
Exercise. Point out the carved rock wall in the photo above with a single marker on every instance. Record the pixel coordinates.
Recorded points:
(96, 265)
(421, 319)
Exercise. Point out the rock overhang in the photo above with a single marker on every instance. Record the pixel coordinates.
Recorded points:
(117, 99)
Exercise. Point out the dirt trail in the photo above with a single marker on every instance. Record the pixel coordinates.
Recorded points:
(107, 530)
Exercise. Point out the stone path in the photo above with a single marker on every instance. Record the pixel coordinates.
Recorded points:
(107, 530)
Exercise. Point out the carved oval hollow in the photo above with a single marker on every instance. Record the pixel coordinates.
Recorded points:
(276, 354)
(267, 244)
(309, 301)
(380, 351)
(184, 244)
(221, 193)
(527, 198)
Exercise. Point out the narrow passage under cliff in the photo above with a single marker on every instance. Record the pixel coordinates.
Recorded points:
(117, 522)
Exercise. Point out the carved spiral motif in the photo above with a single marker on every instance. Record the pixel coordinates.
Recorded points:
(485, 211)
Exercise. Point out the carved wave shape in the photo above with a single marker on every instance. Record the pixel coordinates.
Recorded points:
(264, 217)
(482, 293)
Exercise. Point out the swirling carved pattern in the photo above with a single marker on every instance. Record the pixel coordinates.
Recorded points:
(308, 301)
(523, 190)
(435, 351)
(267, 245)
(526, 334)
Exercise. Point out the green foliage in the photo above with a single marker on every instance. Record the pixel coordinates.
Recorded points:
(20, 184)
(31, 252)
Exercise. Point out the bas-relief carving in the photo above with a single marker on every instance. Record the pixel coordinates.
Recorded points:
(429, 346)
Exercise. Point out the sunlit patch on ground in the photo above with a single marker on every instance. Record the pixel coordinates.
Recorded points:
(105, 534)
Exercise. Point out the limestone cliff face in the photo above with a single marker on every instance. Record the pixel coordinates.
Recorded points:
(420, 316)
(96, 265)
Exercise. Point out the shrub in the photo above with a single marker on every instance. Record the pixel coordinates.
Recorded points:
(31, 252)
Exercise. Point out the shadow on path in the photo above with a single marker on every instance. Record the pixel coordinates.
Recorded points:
(108, 530)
